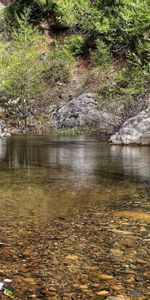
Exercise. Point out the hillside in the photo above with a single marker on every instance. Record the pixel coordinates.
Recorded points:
(53, 51)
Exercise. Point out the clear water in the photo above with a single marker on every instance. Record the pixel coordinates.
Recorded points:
(71, 209)
(56, 175)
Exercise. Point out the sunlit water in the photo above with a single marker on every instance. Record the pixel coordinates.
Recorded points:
(49, 176)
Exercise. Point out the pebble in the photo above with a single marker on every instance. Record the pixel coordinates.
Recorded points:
(116, 252)
(136, 294)
(83, 287)
(102, 293)
(105, 277)
(72, 257)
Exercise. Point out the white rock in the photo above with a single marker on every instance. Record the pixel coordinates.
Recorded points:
(3, 129)
(135, 130)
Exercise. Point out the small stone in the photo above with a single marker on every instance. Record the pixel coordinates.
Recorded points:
(102, 293)
(137, 295)
(116, 252)
(67, 296)
(83, 287)
(96, 285)
(105, 277)
(117, 287)
(30, 280)
(72, 257)
(130, 280)
(52, 289)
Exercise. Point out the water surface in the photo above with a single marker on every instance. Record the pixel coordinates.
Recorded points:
(54, 175)
(75, 218)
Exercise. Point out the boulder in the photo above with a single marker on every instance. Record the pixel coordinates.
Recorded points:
(135, 130)
(82, 112)
(3, 129)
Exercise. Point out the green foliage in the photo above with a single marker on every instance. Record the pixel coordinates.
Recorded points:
(119, 24)
(58, 65)
(74, 43)
(126, 85)
(12, 11)
(101, 56)
(71, 132)
(26, 66)
(135, 77)
(105, 29)
(71, 12)
(20, 66)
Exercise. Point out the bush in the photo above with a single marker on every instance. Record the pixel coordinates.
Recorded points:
(58, 65)
(20, 63)
(74, 43)
(26, 64)
(101, 56)
(106, 30)
(119, 24)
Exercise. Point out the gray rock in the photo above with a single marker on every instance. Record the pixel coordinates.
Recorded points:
(16, 108)
(135, 130)
(136, 294)
(3, 129)
(82, 111)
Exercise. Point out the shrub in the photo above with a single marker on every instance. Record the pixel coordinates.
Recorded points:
(58, 65)
(27, 65)
(101, 55)
(74, 43)
(119, 24)
(20, 63)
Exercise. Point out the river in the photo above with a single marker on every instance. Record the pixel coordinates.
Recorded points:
(78, 207)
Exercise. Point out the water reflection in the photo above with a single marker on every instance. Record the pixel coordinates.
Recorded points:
(134, 160)
(47, 175)
(3, 147)
(84, 159)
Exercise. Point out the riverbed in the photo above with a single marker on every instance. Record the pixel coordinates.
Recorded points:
(75, 218)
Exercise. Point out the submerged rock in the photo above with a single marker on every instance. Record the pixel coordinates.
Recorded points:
(3, 129)
(135, 130)
(82, 112)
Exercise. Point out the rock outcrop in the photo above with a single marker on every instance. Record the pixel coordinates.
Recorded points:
(3, 129)
(135, 130)
(82, 112)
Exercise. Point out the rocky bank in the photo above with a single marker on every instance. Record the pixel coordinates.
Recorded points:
(83, 112)
(135, 130)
